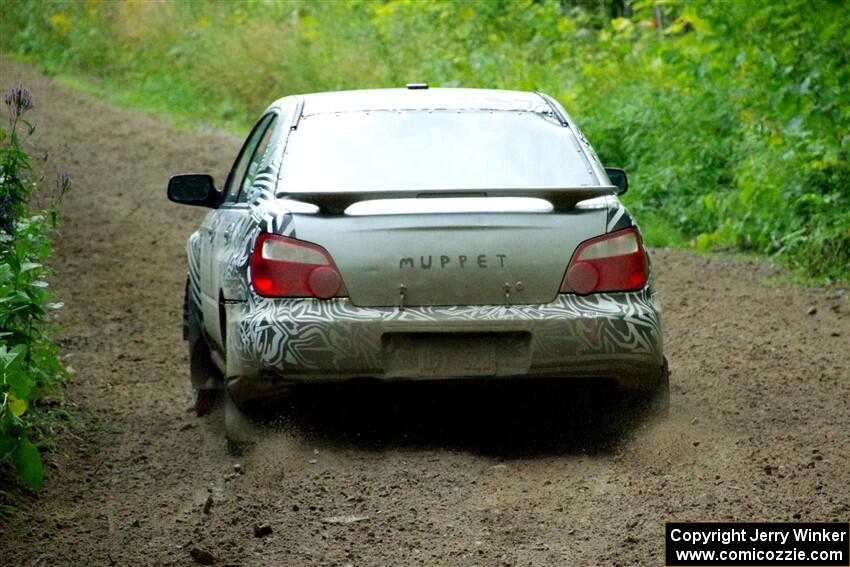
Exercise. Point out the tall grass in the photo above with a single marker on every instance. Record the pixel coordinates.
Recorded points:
(733, 118)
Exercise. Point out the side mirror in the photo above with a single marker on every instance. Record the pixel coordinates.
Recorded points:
(618, 179)
(193, 189)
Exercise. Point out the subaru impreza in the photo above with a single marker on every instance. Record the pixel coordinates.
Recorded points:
(415, 234)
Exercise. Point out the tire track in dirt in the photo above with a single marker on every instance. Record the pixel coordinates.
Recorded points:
(506, 474)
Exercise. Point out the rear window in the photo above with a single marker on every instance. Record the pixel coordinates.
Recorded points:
(410, 150)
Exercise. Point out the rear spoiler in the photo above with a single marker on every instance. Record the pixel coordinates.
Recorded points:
(336, 202)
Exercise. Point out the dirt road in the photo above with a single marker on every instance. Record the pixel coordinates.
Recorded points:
(417, 475)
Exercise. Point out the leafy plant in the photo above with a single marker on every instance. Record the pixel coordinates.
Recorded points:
(29, 368)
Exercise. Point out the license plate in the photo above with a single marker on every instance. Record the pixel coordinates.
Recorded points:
(450, 355)
(456, 357)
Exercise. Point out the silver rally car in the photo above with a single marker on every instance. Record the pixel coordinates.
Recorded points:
(415, 234)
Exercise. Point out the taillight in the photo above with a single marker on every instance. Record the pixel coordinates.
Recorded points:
(285, 267)
(614, 262)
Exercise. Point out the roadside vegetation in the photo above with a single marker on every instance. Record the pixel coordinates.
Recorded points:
(732, 118)
(30, 372)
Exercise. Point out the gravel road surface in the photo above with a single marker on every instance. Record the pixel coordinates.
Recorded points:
(471, 474)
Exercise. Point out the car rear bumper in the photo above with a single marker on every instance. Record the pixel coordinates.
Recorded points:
(272, 343)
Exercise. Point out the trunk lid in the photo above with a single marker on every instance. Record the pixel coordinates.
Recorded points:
(469, 258)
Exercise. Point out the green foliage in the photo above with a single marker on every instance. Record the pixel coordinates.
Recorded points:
(733, 118)
(29, 368)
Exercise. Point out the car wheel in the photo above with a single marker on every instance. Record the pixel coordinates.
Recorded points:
(205, 376)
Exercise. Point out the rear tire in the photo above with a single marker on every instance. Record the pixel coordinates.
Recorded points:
(205, 400)
(205, 376)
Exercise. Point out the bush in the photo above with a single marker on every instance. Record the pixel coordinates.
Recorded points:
(29, 368)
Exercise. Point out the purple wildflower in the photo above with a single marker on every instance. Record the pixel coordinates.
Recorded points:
(63, 185)
(19, 100)
(64, 181)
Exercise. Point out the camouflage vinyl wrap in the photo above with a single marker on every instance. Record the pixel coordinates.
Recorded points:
(333, 337)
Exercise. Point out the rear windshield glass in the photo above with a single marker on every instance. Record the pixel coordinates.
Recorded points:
(410, 150)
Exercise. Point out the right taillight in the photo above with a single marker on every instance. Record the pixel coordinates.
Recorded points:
(614, 262)
(285, 267)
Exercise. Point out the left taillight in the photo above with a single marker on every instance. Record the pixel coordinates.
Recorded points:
(285, 267)
(613, 262)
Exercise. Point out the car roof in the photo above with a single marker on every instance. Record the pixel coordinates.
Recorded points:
(422, 99)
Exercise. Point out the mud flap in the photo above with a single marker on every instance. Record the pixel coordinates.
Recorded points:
(239, 429)
(656, 401)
